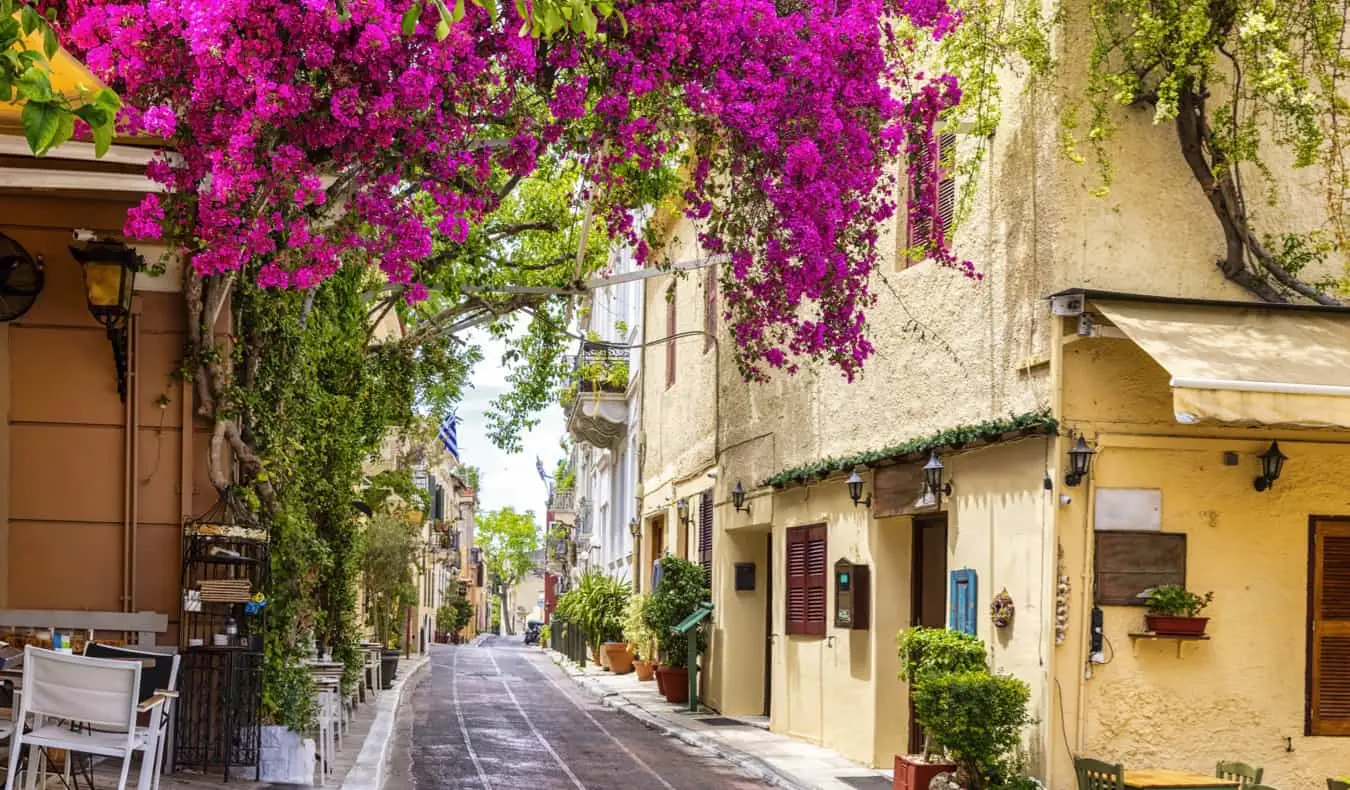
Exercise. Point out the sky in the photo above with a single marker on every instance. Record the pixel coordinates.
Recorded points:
(506, 478)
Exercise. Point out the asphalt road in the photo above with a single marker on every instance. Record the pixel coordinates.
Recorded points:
(502, 716)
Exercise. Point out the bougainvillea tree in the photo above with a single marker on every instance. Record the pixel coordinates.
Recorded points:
(332, 163)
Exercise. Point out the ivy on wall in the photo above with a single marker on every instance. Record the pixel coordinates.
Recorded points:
(1028, 424)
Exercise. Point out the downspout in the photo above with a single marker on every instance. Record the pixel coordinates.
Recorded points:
(128, 439)
(1054, 447)
(133, 402)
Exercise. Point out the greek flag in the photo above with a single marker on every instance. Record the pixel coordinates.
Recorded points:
(539, 464)
(449, 436)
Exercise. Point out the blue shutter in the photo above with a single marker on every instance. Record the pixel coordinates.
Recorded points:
(961, 604)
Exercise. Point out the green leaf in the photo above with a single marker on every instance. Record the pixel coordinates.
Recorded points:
(34, 85)
(41, 122)
(29, 19)
(6, 8)
(491, 7)
(50, 45)
(103, 137)
(442, 30)
(458, 13)
(410, 18)
(108, 100)
(65, 127)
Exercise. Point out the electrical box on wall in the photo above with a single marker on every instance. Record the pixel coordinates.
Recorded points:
(852, 588)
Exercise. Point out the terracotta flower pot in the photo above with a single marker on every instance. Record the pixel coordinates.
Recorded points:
(617, 656)
(912, 773)
(646, 670)
(1176, 626)
(660, 674)
(675, 687)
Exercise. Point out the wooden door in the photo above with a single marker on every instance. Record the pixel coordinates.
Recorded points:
(928, 592)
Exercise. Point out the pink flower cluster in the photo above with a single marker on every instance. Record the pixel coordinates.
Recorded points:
(277, 109)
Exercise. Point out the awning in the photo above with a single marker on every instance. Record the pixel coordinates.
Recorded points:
(1240, 365)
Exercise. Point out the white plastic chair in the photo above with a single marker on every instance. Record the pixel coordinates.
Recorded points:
(166, 671)
(100, 693)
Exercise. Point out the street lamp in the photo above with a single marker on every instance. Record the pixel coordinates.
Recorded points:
(1080, 460)
(109, 280)
(1272, 463)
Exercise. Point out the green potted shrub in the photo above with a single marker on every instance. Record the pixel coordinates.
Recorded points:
(641, 637)
(1174, 611)
(391, 548)
(677, 596)
(596, 605)
(924, 653)
(976, 718)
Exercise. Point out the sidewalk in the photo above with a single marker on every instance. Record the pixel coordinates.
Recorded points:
(744, 742)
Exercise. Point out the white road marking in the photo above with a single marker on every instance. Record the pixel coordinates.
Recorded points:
(530, 723)
(596, 722)
(459, 714)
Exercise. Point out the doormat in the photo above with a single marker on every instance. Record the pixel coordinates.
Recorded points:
(722, 721)
(866, 782)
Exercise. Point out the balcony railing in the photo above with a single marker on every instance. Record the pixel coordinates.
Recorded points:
(601, 367)
(563, 500)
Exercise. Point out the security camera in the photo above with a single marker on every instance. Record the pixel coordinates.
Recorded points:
(1065, 499)
(713, 474)
(82, 234)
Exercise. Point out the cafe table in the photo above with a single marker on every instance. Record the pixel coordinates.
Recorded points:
(1167, 779)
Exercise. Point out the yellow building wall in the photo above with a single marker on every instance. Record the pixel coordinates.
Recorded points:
(1240, 695)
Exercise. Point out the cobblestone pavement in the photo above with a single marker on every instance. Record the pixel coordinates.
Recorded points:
(502, 716)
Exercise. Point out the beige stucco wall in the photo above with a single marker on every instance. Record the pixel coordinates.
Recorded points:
(1241, 695)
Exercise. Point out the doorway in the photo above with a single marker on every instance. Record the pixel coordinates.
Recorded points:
(928, 592)
(658, 545)
(768, 625)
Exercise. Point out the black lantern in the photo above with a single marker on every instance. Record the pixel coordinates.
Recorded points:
(633, 528)
(682, 508)
(109, 279)
(932, 476)
(1080, 460)
(1272, 463)
(855, 487)
(738, 498)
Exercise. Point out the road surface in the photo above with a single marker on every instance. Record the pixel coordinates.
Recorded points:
(501, 716)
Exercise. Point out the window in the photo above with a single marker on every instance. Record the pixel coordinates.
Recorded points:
(705, 536)
(806, 579)
(709, 308)
(919, 234)
(670, 337)
(1329, 651)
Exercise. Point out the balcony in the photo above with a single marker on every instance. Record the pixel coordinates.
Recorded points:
(596, 401)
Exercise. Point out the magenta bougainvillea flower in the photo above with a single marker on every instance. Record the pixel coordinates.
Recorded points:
(787, 115)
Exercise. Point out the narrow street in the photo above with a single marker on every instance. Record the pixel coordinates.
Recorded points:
(502, 716)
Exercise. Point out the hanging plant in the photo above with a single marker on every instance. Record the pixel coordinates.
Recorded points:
(1001, 609)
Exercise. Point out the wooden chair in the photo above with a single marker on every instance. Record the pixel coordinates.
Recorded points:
(1097, 775)
(1245, 775)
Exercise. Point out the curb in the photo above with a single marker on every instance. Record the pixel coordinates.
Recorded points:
(749, 764)
(371, 769)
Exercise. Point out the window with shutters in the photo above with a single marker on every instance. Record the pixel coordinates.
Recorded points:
(1329, 662)
(807, 576)
(705, 536)
(920, 233)
(709, 308)
(670, 339)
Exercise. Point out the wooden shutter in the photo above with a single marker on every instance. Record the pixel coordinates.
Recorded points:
(670, 339)
(946, 184)
(709, 307)
(1128, 562)
(705, 536)
(1329, 676)
(807, 575)
(962, 601)
(919, 231)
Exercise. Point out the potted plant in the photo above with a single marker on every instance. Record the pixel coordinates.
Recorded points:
(1174, 611)
(1342, 783)
(596, 606)
(641, 638)
(677, 596)
(391, 548)
(973, 717)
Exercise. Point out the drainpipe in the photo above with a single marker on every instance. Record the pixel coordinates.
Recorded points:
(133, 404)
(1055, 447)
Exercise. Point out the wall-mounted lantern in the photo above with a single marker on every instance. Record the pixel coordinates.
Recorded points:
(1272, 463)
(738, 498)
(21, 279)
(682, 510)
(633, 528)
(932, 477)
(109, 280)
(1080, 461)
(855, 490)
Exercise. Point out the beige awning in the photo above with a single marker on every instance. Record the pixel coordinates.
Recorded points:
(1242, 365)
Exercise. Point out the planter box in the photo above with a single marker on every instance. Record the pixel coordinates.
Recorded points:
(912, 773)
(286, 757)
(1175, 626)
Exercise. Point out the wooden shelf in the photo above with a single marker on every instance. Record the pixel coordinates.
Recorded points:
(1180, 639)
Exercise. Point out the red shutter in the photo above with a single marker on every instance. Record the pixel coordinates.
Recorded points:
(705, 536)
(807, 577)
(670, 341)
(709, 308)
(1329, 680)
